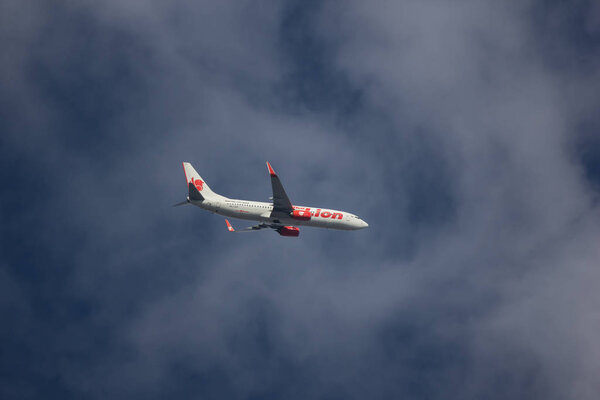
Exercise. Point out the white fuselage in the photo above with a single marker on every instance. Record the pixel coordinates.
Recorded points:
(261, 211)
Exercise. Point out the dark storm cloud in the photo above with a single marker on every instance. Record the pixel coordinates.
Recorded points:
(458, 131)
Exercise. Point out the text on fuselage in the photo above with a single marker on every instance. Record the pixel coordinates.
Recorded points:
(322, 214)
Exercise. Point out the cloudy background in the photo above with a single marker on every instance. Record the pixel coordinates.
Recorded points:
(466, 133)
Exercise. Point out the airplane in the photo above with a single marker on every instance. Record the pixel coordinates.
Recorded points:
(280, 215)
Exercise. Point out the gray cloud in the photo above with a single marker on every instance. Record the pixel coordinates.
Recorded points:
(454, 129)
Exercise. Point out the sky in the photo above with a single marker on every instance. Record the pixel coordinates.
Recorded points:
(465, 133)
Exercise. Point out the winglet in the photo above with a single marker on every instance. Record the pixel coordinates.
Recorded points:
(271, 172)
(229, 227)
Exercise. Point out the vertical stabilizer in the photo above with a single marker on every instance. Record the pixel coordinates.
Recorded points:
(198, 189)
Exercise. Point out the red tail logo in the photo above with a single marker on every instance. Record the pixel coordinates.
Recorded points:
(198, 183)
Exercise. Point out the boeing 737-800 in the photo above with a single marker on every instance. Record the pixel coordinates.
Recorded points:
(279, 215)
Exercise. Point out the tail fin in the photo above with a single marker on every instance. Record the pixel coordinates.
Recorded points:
(198, 189)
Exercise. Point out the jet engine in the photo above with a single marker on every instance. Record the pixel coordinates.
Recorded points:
(291, 231)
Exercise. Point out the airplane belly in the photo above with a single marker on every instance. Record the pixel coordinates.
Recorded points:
(247, 215)
(319, 223)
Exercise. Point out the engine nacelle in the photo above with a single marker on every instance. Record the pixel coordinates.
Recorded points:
(291, 231)
(301, 215)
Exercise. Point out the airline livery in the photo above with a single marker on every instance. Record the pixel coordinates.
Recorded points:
(279, 215)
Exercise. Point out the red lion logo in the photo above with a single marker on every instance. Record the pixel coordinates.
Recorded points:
(198, 183)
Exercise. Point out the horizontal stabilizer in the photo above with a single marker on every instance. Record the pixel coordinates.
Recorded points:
(183, 203)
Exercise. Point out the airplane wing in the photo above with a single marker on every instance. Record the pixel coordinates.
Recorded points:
(248, 229)
(281, 203)
(291, 231)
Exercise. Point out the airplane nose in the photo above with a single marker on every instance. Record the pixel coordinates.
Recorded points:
(364, 224)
